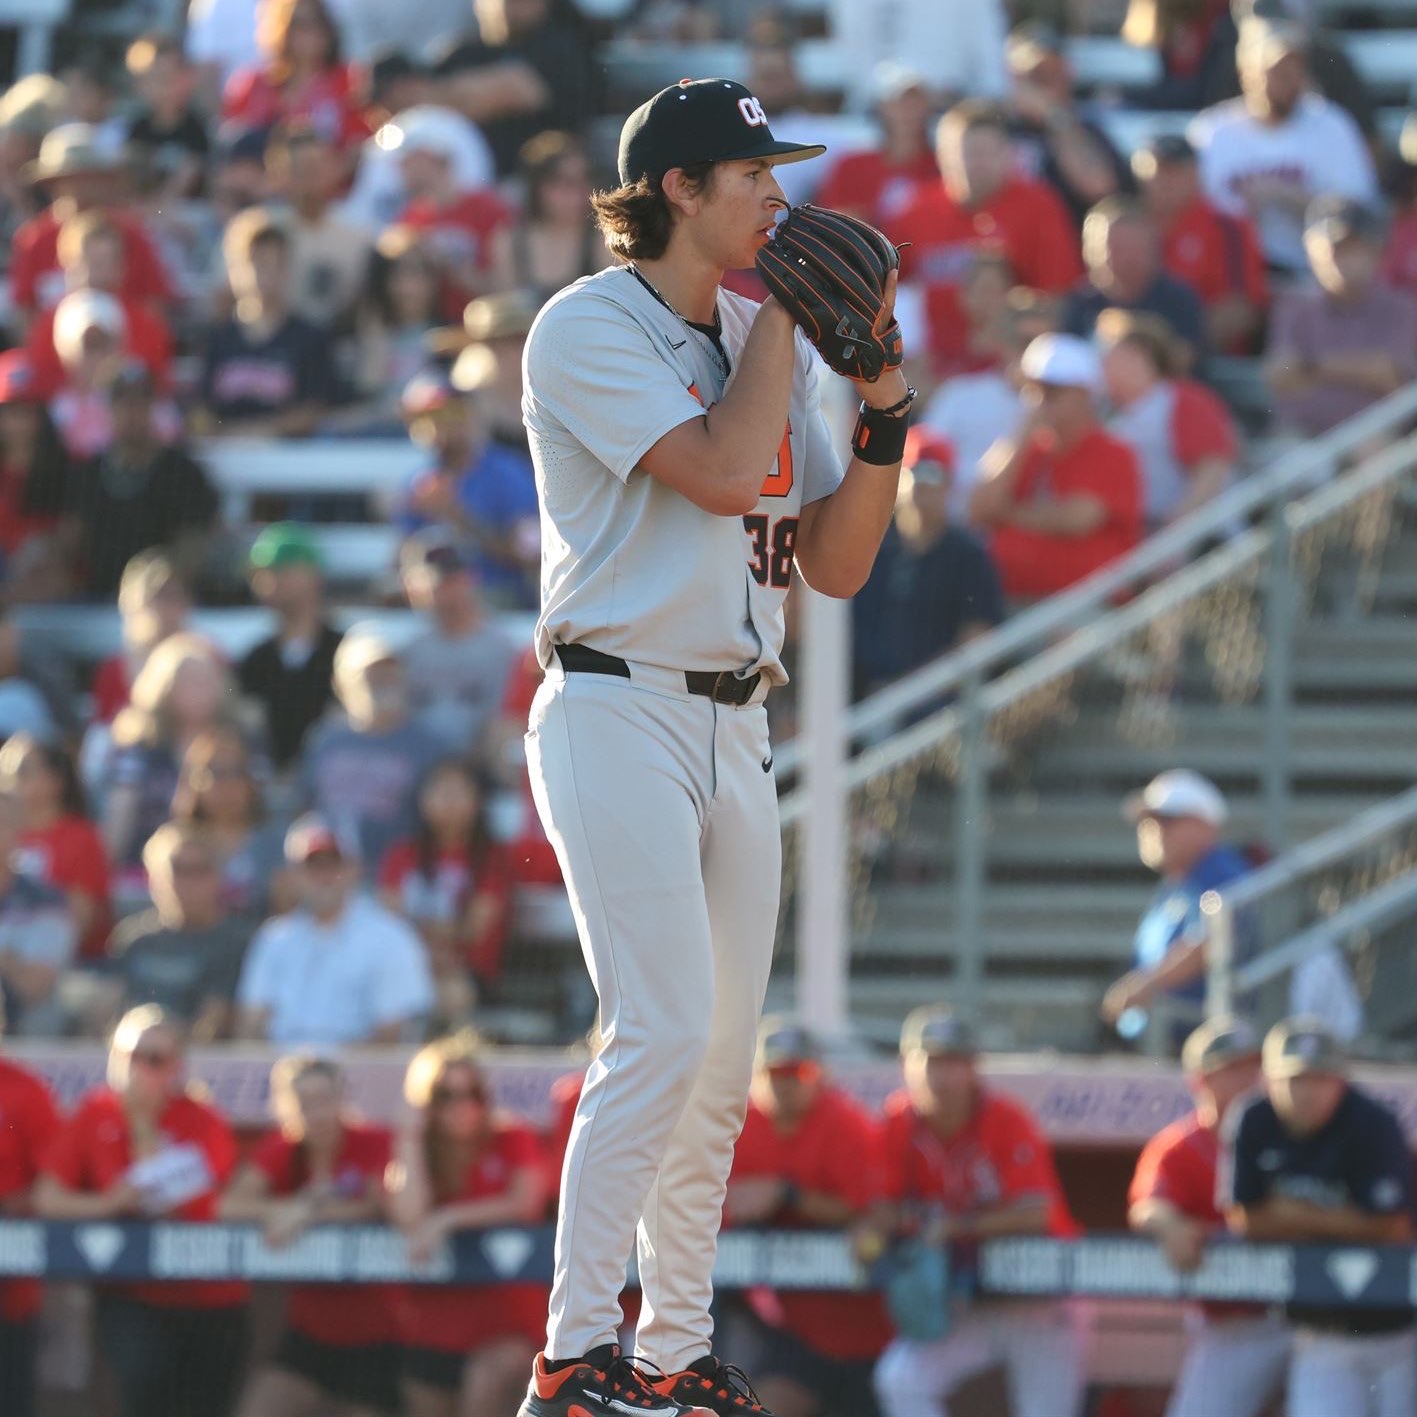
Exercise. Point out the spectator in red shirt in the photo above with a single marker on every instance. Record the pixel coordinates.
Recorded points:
(963, 1163)
(981, 204)
(78, 176)
(321, 1166)
(34, 467)
(1238, 1350)
(303, 76)
(459, 227)
(91, 255)
(453, 885)
(59, 844)
(1182, 434)
(879, 183)
(1062, 495)
(31, 1121)
(1218, 255)
(145, 1145)
(462, 1164)
(806, 1158)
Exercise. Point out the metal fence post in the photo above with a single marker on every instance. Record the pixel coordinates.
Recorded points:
(1280, 614)
(970, 814)
(1219, 954)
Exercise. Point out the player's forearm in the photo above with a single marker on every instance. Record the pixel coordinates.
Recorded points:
(824, 1209)
(1027, 1218)
(1286, 1218)
(744, 429)
(839, 536)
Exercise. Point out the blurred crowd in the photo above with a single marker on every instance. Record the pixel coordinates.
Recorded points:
(296, 224)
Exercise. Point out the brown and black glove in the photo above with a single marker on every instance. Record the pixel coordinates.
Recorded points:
(829, 271)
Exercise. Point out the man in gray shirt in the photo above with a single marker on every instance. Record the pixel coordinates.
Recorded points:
(363, 774)
(185, 953)
(457, 669)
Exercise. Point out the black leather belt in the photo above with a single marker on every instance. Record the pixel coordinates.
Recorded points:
(722, 686)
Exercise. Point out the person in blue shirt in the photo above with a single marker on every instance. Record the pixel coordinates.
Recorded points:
(1316, 1160)
(482, 490)
(1179, 816)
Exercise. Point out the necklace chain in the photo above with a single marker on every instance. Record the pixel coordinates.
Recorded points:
(715, 339)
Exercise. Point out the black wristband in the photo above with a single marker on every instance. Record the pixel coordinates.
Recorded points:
(879, 435)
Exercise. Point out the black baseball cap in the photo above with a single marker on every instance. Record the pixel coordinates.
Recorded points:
(1338, 218)
(701, 120)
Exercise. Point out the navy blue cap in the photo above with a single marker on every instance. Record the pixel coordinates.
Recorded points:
(701, 120)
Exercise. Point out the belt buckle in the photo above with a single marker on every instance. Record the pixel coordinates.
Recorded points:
(736, 691)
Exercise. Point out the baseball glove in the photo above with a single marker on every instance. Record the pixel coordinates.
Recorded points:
(829, 271)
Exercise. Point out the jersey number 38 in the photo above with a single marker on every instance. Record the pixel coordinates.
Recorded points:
(772, 541)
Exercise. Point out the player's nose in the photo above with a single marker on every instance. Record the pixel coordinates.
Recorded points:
(777, 197)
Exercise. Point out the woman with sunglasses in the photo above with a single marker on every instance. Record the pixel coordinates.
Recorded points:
(59, 842)
(217, 788)
(147, 1146)
(321, 1166)
(461, 1164)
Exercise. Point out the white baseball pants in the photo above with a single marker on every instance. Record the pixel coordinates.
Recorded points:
(662, 809)
(1371, 1375)
(1038, 1345)
(1234, 1366)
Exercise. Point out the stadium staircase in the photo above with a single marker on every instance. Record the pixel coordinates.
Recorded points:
(1298, 704)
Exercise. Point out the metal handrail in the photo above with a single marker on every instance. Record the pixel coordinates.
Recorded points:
(1383, 903)
(1293, 471)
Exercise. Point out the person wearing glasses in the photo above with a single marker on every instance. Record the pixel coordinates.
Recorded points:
(147, 1146)
(804, 1159)
(322, 1165)
(461, 1163)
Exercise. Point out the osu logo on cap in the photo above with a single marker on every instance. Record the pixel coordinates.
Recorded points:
(752, 112)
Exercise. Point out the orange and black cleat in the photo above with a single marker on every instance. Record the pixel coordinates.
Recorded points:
(605, 1384)
(720, 1387)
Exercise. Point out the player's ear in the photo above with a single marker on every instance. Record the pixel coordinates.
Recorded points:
(683, 194)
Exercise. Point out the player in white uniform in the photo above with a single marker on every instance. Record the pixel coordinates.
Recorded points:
(684, 467)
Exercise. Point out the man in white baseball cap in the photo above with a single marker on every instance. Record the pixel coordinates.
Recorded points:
(1062, 496)
(1179, 817)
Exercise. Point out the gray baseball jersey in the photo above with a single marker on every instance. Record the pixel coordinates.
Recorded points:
(628, 565)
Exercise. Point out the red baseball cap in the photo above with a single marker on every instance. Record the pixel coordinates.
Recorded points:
(924, 445)
(17, 378)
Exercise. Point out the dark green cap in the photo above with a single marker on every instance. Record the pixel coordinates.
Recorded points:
(284, 544)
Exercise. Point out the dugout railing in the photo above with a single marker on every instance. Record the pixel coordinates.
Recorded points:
(1200, 623)
(1098, 1266)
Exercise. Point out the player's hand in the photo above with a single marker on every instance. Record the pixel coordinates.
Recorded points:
(288, 1222)
(891, 378)
(426, 1238)
(127, 1199)
(1183, 1242)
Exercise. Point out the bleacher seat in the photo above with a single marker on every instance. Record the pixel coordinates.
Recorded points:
(1386, 60)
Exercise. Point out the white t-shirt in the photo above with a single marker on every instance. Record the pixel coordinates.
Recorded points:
(973, 411)
(956, 45)
(377, 196)
(629, 566)
(1319, 146)
(336, 983)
